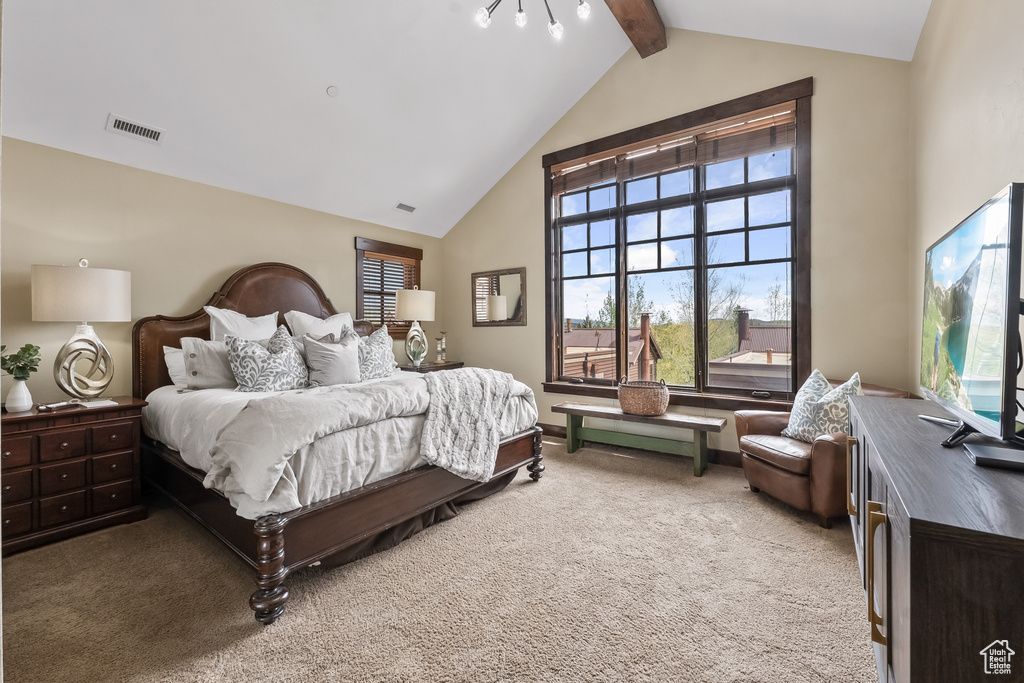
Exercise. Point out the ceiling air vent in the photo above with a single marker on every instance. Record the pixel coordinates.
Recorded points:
(133, 129)
(404, 207)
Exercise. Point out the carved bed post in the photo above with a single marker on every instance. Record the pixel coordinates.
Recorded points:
(271, 595)
(536, 467)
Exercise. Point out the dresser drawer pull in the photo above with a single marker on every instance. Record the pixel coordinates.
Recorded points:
(6, 455)
(63, 476)
(113, 496)
(63, 508)
(113, 466)
(7, 488)
(876, 518)
(7, 522)
(113, 437)
(63, 445)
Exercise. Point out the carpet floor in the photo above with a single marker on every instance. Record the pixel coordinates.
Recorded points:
(616, 566)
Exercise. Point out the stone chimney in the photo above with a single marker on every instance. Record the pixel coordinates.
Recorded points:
(645, 350)
(568, 324)
(742, 325)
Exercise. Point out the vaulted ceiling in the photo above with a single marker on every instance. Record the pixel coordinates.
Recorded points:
(425, 107)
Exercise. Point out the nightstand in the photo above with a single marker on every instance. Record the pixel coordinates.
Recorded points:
(431, 367)
(66, 472)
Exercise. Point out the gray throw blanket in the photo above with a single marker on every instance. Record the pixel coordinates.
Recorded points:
(461, 430)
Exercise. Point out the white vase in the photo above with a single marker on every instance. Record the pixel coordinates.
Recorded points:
(18, 398)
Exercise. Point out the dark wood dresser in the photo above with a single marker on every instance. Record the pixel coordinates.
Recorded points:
(68, 472)
(941, 548)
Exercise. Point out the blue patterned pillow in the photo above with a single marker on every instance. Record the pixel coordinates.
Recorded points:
(376, 355)
(819, 409)
(279, 367)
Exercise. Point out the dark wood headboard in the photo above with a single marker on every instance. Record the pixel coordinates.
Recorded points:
(253, 291)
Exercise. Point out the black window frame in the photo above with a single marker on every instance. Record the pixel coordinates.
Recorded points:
(799, 183)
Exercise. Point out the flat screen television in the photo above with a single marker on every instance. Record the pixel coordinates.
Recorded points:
(970, 340)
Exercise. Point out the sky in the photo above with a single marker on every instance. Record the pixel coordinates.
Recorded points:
(674, 243)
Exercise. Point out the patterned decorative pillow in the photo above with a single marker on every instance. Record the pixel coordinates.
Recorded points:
(279, 367)
(376, 355)
(819, 409)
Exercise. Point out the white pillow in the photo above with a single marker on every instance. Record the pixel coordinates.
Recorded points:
(332, 362)
(206, 364)
(224, 322)
(175, 360)
(302, 324)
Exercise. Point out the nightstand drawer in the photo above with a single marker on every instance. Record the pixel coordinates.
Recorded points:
(112, 467)
(61, 477)
(15, 451)
(59, 445)
(61, 509)
(113, 437)
(16, 486)
(17, 519)
(110, 497)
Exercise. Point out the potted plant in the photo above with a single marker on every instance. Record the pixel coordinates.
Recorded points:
(20, 366)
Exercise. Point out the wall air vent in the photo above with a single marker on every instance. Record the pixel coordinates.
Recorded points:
(133, 129)
(404, 207)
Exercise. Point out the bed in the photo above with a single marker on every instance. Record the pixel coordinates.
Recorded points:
(332, 531)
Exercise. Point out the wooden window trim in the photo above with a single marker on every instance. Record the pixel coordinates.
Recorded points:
(798, 91)
(370, 248)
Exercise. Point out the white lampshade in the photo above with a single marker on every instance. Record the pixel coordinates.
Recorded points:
(497, 307)
(77, 294)
(414, 304)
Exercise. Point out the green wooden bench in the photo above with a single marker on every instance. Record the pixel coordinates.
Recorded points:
(576, 433)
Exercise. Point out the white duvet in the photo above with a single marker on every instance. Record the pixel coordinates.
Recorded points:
(368, 450)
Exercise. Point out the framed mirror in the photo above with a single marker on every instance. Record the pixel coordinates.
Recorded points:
(499, 297)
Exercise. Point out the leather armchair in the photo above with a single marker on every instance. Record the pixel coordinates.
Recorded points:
(808, 476)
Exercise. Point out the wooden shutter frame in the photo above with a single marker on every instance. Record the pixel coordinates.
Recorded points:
(385, 251)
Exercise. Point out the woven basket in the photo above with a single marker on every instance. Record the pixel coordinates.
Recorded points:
(643, 398)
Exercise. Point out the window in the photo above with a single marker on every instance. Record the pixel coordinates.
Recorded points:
(680, 252)
(381, 270)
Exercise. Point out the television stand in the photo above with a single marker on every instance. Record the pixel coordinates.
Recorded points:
(940, 543)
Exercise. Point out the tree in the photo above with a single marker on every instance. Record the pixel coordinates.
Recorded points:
(777, 303)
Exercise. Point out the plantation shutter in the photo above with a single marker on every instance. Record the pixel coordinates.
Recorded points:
(381, 270)
(482, 288)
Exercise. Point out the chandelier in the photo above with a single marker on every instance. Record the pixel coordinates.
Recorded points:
(483, 16)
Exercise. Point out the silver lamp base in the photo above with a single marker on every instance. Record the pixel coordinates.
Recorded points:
(83, 368)
(416, 344)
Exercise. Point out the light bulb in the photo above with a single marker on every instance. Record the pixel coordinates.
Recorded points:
(583, 9)
(483, 17)
(520, 18)
(555, 29)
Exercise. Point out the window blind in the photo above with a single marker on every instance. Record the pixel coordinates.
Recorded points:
(382, 270)
(758, 132)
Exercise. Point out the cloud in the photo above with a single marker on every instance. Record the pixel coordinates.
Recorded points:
(947, 262)
(581, 296)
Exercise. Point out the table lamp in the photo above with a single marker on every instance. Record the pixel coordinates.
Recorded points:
(83, 368)
(415, 304)
(497, 307)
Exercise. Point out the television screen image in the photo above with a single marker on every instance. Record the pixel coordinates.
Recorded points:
(969, 336)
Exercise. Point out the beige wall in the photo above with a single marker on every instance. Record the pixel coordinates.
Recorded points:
(968, 111)
(180, 240)
(860, 200)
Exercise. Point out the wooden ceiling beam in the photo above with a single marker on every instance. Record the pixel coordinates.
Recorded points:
(642, 24)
